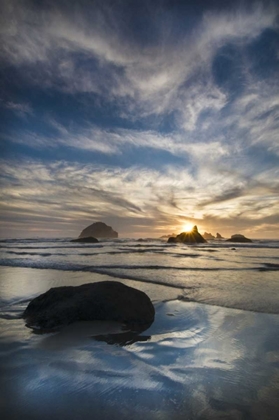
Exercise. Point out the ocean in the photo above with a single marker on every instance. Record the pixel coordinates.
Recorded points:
(212, 351)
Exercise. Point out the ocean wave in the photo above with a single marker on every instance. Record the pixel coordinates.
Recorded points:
(117, 252)
(74, 246)
(144, 246)
(35, 240)
(269, 267)
(131, 244)
(41, 254)
(81, 267)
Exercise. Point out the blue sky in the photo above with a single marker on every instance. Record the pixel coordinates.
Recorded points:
(145, 115)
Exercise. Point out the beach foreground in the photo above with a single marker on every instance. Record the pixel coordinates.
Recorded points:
(196, 361)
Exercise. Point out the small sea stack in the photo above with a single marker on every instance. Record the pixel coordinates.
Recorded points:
(207, 236)
(101, 301)
(87, 240)
(167, 236)
(192, 237)
(239, 238)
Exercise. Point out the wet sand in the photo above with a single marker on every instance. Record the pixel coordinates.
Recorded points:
(195, 362)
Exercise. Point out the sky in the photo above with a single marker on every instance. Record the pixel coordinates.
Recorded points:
(150, 116)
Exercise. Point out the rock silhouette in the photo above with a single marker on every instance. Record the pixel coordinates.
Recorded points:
(192, 237)
(102, 301)
(88, 239)
(167, 236)
(239, 238)
(207, 235)
(99, 230)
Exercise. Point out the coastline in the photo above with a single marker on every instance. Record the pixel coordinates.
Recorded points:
(195, 361)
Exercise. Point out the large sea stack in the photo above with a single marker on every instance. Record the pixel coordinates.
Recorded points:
(99, 230)
(192, 237)
(102, 301)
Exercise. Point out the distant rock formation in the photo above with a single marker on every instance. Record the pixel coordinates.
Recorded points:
(218, 236)
(88, 239)
(208, 236)
(193, 237)
(99, 230)
(167, 236)
(146, 239)
(238, 238)
(102, 301)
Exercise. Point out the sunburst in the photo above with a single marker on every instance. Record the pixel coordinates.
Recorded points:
(187, 227)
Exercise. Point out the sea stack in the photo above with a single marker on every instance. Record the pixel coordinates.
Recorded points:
(218, 236)
(192, 237)
(207, 235)
(87, 240)
(238, 238)
(99, 230)
(167, 236)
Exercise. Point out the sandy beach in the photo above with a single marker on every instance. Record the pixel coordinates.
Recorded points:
(195, 362)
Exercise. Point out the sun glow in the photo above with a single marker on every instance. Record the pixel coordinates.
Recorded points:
(187, 227)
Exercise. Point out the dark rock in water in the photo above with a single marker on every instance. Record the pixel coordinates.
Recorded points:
(102, 301)
(193, 237)
(145, 239)
(88, 239)
(207, 235)
(172, 240)
(99, 230)
(218, 236)
(239, 238)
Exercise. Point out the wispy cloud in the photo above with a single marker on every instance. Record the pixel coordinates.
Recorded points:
(116, 141)
(90, 52)
(20, 108)
(76, 194)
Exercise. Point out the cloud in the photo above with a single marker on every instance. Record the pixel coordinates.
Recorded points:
(85, 49)
(72, 195)
(158, 90)
(20, 108)
(225, 196)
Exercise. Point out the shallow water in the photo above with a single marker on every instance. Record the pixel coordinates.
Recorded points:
(241, 276)
(196, 361)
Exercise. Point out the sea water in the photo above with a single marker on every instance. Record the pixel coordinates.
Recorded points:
(242, 276)
(212, 351)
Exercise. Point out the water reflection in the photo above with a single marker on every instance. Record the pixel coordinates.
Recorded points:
(122, 339)
(81, 333)
(195, 361)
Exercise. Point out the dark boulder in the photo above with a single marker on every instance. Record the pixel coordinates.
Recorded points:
(239, 238)
(102, 301)
(88, 239)
(99, 230)
(192, 237)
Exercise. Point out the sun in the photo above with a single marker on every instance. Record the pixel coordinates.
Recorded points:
(187, 227)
